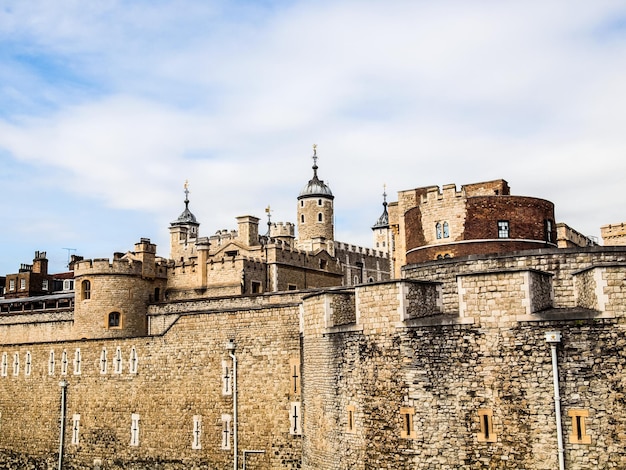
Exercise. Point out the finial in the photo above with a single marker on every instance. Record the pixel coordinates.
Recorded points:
(315, 160)
(186, 186)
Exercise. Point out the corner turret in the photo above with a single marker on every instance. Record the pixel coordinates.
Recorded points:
(184, 233)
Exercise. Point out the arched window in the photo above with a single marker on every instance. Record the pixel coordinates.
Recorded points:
(446, 230)
(86, 289)
(114, 320)
(319, 202)
(438, 230)
(320, 217)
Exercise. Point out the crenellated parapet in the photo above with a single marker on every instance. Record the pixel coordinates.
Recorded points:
(436, 194)
(282, 229)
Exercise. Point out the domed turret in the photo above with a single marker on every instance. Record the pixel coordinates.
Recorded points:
(184, 232)
(383, 236)
(316, 214)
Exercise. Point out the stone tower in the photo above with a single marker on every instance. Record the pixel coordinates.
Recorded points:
(316, 214)
(184, 233)
(383, 235)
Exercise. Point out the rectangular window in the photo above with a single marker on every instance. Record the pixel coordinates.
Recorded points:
(75, 429)
(226, 378)
(256, 287)
(295, 418)
(22, 284)
(292, 287)
(16, 364)
(197, 432)
(117, 368)
(133, 361)
(294, 376)
(579, 430)
(64, 363)
(27, 366)
(407, 431)
(103, 361)
(5, 365)
(548, 225)
(351, 428)
(77, 361)
(486, 433)
(12, 285)
(134, 429)
(226, 432)
(44, 284)
(503, 229)
(51, 363)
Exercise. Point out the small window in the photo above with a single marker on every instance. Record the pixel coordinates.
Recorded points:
(157, 294)
(22, 284)
(351, 428)
(370, 279)
(294, 376)
(28, 364)
(114, 320)
(68, 284)
(133, 361)
(320, 217)
(319, 202)
(407, 431)
(86, 289)
(117, 365)
(446, 230)
(438, 231)
(579, 430)
(226, 378)
(292, 287)
(5, 364)
(64, 362)
(226, 419)
(302, 218)
(323, 264)
(503, 229)
(134, 429)
(486, 433)
(77, 361)
(232, 253)
(51, 363)
(16, 364)
(548, 225)
(197, 432)
(12, 285)
(295, 418)
(44, 284)
(75, 429)
(301, 203)
(103, 361)
(256, 287)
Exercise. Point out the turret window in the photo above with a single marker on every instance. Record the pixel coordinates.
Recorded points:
(302, 218)
(319, 202)
(86, 289)
(446, 230)
(503, 229)
(438, 230)
(114, 320)
(320, 217)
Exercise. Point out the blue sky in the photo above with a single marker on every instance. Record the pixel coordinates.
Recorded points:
(106, 108)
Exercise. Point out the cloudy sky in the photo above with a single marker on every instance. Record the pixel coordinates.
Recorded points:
(107, 107)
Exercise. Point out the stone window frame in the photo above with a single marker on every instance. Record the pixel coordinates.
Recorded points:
(320, 217)
(51, 362)
(16, 364)
(118, 361)
(5, 365)
(28, 364)
(350, 419)
(226, 431)
(133, 361)
(23, 284)
(196, 439)
(256, 287)
(76, 429)
(579, 428)
(85, 289)
(77, 361)
(295, 418)
(103, 361)
(64, 362)
(485, 419)
(407, 431)
(134, 430)
(295, 376)
(114, 320)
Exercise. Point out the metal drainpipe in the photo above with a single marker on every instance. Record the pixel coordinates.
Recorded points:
(554, 337)
(230, 346)
(63, 385)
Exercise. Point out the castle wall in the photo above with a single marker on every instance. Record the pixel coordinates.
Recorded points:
(179, 375)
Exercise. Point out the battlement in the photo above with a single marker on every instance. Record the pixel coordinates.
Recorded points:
(98, 266)
(282, 229)
(341, 246)
(614, 234)
(434, 193)
(223, 236)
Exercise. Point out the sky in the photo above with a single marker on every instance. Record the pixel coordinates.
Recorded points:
(108, 107)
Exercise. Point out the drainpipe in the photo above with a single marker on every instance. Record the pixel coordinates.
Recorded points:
(230, 346)
(63, 385)
(553, 338)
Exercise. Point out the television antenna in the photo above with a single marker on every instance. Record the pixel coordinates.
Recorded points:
(69, 251)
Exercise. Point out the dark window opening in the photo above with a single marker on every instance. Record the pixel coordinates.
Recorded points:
(114, 319)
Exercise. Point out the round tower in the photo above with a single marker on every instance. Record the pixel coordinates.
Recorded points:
(184, 233)
(316, 214)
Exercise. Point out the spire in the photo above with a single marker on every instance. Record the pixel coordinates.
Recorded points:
(315, 186)
(186, 217)
(383, 220)
(268, 211)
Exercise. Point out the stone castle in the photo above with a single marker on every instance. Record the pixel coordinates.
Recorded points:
(466, 339)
